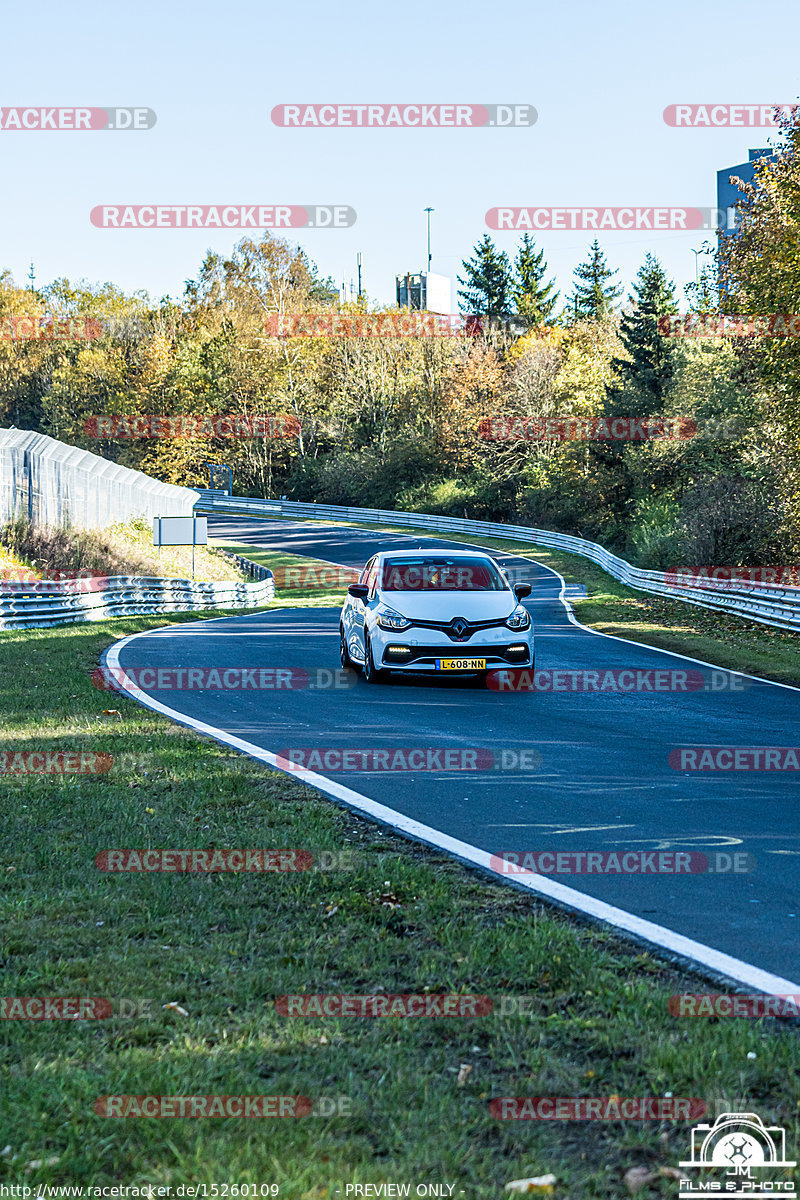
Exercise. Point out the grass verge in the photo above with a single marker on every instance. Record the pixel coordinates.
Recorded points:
(221, 947)
(298, 579)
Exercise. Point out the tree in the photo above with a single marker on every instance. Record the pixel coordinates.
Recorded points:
(703, 295)
(646, 373)
(488, 286)
(534, 299)
(594, 294)
(759, 272)
(320, 291)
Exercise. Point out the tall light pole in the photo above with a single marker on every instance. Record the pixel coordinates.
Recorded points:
(696, 260)
(429, 211)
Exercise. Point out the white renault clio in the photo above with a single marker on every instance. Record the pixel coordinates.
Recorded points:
(434, 612)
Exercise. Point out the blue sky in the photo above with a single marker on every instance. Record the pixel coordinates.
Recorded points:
(599, 74)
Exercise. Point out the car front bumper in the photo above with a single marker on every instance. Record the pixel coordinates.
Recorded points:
(420, 648)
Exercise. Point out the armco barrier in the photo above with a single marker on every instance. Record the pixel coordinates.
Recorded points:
(68, 601)
(767, 604)
(253, 569)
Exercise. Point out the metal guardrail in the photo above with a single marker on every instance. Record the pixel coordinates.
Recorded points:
(768, 604)
(253, 569)
(70, 601)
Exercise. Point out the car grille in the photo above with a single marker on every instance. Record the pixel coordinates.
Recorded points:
(467, 628)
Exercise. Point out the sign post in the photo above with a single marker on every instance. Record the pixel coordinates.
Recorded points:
(180, 531)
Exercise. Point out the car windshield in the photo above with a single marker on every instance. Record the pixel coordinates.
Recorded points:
(424, 574)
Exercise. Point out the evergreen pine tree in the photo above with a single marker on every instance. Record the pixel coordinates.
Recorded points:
(487, 289)
(646, 375)
(534, 299)
(593, 294)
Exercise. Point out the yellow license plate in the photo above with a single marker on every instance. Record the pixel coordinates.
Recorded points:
(461, 664)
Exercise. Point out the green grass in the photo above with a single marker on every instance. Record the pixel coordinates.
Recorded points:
(404, 919)
(317, 596)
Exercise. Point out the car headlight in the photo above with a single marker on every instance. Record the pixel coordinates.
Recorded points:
(519, 618)
(389, 619)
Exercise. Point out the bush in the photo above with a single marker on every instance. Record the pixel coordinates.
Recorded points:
(64, 548)
(572, 505)
(363, 478)
(656, 536)
(730, 521)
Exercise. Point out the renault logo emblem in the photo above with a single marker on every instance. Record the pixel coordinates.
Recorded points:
(460, 627)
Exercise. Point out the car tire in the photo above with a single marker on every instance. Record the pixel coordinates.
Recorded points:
(344, 654)
(372, 674)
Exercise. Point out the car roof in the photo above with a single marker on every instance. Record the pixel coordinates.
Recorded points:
(433, 552)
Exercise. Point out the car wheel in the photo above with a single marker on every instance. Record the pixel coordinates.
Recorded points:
(372, 674)
(344, 653)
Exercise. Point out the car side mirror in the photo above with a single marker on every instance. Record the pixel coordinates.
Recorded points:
(521, 590)
(359, 590)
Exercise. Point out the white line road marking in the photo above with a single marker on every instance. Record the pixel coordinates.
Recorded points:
(700, 839)
(559, 829)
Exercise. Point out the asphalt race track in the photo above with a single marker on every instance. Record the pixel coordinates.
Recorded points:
(604, 782)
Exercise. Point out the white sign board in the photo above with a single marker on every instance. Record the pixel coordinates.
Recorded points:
(180, 531)
(437, 293)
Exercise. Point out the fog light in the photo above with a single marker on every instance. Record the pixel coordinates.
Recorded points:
(397, 650)
(517, 650)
